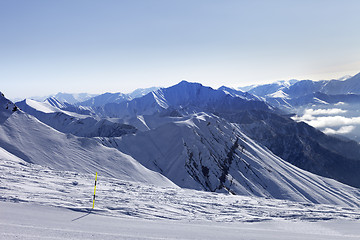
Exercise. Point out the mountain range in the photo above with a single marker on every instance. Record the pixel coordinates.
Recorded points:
(295, 93)
(24, 136)
(198, 151)
(190, 136)
(331, 106)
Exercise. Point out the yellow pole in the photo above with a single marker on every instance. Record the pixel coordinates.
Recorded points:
(94, 191)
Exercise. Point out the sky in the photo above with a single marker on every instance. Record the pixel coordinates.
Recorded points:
(117, 46)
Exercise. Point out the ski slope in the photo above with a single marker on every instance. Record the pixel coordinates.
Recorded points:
(37, 202)
(33, 222)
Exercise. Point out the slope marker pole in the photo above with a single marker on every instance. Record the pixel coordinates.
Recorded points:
(94, 191)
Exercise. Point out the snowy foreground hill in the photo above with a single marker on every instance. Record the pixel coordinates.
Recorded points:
(42, 203)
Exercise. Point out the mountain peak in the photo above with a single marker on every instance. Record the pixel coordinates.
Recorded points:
(7, 107)
(186, 83)
(73, 97)
(356, 76)
(4, 100)
(238, 93)
(53, 101)
(225, 88)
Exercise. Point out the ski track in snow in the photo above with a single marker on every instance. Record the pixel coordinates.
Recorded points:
(24, 182)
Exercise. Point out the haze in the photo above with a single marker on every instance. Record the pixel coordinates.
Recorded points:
(110, 46)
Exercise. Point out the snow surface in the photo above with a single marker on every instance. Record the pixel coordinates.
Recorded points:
(37, 202)
(33, 222)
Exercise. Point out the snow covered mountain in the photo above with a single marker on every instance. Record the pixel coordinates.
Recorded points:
(292, 94)
(350, 85)
(299, 144)
(323, 98)
(70, 122)
(106, 98)
(199, 151)
(269, 89)
(56, 103)
(202, 151)
(34, 142)
(73, 98)
(198, 138)
(140, 92)
(304, 146)
(296, 88)
(238, 93)
(185, 98)
(7, 108)
(69, 107)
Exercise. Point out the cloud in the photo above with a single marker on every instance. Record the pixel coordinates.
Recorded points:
(333, 121)
(339, 103)
(309, 115)
(342, 130)
(331, 111)
(304, 118)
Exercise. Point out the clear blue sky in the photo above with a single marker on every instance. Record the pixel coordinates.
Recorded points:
(109, 46)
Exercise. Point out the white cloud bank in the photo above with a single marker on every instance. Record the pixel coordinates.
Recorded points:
(329, 120)
(332, 121)
(310, 114)
(342, 130)
(332, 111)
